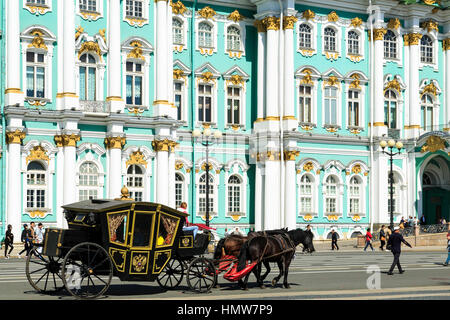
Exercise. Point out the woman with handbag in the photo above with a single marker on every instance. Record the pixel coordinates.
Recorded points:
(448, 249)
(382, 238)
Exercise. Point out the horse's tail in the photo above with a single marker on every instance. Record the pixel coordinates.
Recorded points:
(242, 258)
(220, 246)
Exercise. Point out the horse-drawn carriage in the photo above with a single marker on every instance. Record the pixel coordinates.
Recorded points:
(135, 241)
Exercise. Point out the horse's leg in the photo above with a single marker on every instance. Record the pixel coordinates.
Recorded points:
(287, 263)
(280, 267)
(257, 272)
(267, 265)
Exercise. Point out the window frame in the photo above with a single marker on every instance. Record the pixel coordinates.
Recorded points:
(387, 114)
(89, 187)
(134, 9)
(301, 109)
(205, 50)
(329, 38)
(424, 106)
(133, 20)
(88, 65)
(35, 65)
(239, 38)
(352, 100)
(233, 188)
(37, 187)
(132, 188)
(325, 113)
(134, 74)
(389, 43)
(213, 199)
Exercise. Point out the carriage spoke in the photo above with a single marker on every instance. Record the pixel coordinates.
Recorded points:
(46, 281)
(99, 264)
(36, 262)
(99, 279)
(42, 276)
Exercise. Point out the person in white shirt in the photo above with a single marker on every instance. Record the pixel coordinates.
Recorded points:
(39, 236)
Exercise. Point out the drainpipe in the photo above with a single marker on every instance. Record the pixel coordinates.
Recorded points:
(281, 113)
(371, 195)
(3, 160)
(192, 110)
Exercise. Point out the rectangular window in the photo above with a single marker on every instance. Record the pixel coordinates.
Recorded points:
(204, 102)
(134, 83)
(88, 5)
(330, 106)
(87, 194)
(330, 205)
(38, 2)
(134, 8)
(233, 105)
(35, 75)
(178, 99)
(353, 108)
(305, 103)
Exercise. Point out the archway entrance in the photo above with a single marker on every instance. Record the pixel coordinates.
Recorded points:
(436, 190)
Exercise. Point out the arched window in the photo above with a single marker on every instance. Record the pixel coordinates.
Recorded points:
(304, 36)
(88, 77)
(330, 41)
(355, 195)
(426, 180)
(234, 194)
(306, 194)
(177, 31)
(134, 78)
(390, 109)
(202, 194)
(89, 181)
(331, 105)
(427, 107)
(356, 234)
(353, 43)
(390, 45)
(36, 185)
(331, 195)
(179, 189)
(36, 66)
(354, 97)
(205, 35)
(233, 38)
(426, 49)
(135, 182)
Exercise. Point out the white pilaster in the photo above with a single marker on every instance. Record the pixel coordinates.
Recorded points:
(259, 195)
(289, 85)
(261, 71)
(272, 203)
(290, 210)
(272, 68)
(446, 49)
(60, 219)
(171, 179)
(378, 126)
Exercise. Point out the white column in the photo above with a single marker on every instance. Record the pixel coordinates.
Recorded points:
(114, 146)
(272, 67)
(259, 195)
(162, 184)
(380, 196)
(272, 188)
(161, 103)
(378, 126)
(69, 192)
(60, 219)
(173, 110)
(171, 179)
(261, 69)
(69, 98)
(414, 96)
(114, 98)
(289, 83)
(13, 92)
(446, 48)
(13, 189)
(290, 198)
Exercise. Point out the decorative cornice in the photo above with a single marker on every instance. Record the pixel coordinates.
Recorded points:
(307, 79)
(207, 76)
(136, 53)
(356, 22)
(37, 153)
(430, 88)
(271, 23)
(378, 34)
(90, 46)
(291, 155)
(136, 157)
(289, 22)
(430, 25)
(433, 144)
(332, 81)
(15, 137)
(178, 74)
(412, 39)
(394, 24)
(115, 142)
(235, 80)
(308, 14)
(393, 84)
(66, 140)
(207, 12)
(164, 145)
(38, 42)
(333, 16)
(355, 84)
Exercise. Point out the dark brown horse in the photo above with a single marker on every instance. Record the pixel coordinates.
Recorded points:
(268, 247)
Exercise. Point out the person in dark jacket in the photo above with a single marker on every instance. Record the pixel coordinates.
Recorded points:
(395, 244)
(9, 240)
(382, 238)
(334, 239)
(26, 239)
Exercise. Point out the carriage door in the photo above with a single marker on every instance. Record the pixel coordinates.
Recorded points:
(167, 227)
(141, 242)
(118, 226)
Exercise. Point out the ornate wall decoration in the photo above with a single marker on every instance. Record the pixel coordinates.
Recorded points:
(414, 38)
(137, 158)
(272, 23)
(331, 129)
(137, 51)
(332, 81)
(356, 22)
(234, 54)
(332, 217)
(356, 218)
(179, 165)
(331, 55)
(433, 144)
(446, 44)
(79, 30)
(308, 217)
(308, 167)
(393, 84)
(394, 24)
(178, 74)
(259, 25)
(235, 80)
(235, 16)
(38, 42)
(178, 8)
(356, 83)
(102, 33)
(333, 16)
(307, 52)
(15, 137)
(207, 77)
(430, 88)
(210, 167)
(291, 155)
(37, 214)
(136, 22)
(67, 140)
(164, 145)
(306, 127)
(37, 9)
(430, 25)
(356, 169)
(307, 79)
(38, 153)
(207, 13)
(205, 51)
(115, 142)
(308, 14)
(289, 22)
(88, 15)
(378, 34)
(90, 46)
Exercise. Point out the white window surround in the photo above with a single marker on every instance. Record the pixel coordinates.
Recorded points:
(239, 168)
(215, 197)
(436, 50)
(314, 193)
(185, 172)
(149, 156)
(179, 47)
(305, 51)
(338, 196)
(314, 83)
(400, 98)
(227, 76)
(136, 21)
(362, 41)
(213, 24)
(338, 86)
(38, 8)
(349, 85)
(435, 98)
(332, 55)
(213, 80)
(145, 59)
(183, 77)
(134, 174)
(399, 41)
(241, 26)
(362, 196)
(90, 15)
(101, 174)
(50, 167)
(27, 37)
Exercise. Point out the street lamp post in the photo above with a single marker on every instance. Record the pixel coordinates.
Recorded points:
(207, 141)
(391, 144)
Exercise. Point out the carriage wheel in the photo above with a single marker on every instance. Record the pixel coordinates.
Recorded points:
(201, 275)
(172, 274)
(44, 273)
(87, 270)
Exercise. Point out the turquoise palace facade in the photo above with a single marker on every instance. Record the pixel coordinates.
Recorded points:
(105, 93)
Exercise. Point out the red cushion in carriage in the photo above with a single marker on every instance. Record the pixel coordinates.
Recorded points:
(233, 275)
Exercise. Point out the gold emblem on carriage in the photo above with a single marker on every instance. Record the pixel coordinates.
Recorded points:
(139, 263)
(185, 242)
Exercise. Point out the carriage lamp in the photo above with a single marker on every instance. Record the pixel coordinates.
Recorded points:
(91, 220)
(69, 215)
(206, 141)
(391, 144)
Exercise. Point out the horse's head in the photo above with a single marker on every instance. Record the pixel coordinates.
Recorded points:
(303, 237)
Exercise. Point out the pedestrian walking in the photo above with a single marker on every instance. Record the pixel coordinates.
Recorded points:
(39, 236)
(334, 239)
(308, 228)
(448, 250)
(422, 220)
(26, 239)
(382, 238)
(369, 238)
(9, 241)
(32, 235)
(187, 226)
(394, 244)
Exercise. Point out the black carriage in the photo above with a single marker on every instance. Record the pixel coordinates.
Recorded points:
(134, 241)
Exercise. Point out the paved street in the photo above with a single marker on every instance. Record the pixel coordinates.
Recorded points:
(323, 275)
